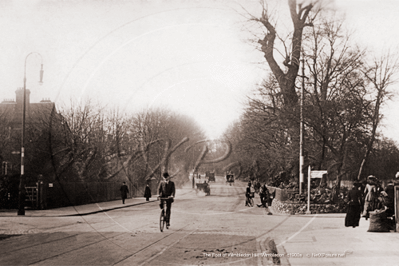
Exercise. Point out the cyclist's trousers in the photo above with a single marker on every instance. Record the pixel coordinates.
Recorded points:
(168, 209)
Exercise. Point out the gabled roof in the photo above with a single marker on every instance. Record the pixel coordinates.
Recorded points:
(40, 112)
(11, 111)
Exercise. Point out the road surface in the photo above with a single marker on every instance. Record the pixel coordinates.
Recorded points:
(205, 230)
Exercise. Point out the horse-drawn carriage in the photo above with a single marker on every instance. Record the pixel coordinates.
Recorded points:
(203, 187)
(200, 184)
(210, 176)
(230, 179)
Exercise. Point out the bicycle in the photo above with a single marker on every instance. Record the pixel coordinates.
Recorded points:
(162, 218)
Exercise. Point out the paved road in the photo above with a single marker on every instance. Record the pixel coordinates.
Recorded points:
(205, 230)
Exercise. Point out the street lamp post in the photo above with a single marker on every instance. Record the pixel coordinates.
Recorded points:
(301, 157)
(21, 202)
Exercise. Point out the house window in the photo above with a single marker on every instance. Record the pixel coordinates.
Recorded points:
(6, 168)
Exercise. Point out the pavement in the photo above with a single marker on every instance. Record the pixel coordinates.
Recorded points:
(323, 240)
(87, 209)
(79, 210)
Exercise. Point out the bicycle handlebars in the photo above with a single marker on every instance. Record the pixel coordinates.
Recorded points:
(163, 198)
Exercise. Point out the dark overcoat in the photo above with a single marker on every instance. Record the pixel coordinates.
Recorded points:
(166, 189)
(124, 191)
(147, 192)
(354, 207)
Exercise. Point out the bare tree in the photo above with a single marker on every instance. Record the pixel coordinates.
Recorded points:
(76, 144)
(285, 77)
(340, 109)
(262, 140)
(334, 66)
(162, 136)
(381, 75)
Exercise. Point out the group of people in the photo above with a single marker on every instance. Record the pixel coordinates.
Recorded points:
(264, 195)
(363, 200)
(125, 190)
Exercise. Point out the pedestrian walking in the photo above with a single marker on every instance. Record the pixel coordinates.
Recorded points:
(124, 191)
(147, 193)
(264, 198)
(271, 197)
(263, 195)
(354, 207)
(369, 201)
(249, 195)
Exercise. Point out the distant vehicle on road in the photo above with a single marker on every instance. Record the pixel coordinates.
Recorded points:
(210, 176)
(230, 179)
(203, 187)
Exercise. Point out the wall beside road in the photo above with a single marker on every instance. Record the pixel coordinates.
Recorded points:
(282, 203)
(77, 193)
(281, 194)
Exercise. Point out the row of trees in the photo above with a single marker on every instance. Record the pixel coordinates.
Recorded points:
(344, 89)
(85, 142)
(114, 146)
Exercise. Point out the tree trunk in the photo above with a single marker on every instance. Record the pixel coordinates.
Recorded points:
(286, 80)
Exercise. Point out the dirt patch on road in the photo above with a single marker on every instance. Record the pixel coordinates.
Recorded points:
(200, 249)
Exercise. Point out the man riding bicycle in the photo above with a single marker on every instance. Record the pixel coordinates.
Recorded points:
(166, 189)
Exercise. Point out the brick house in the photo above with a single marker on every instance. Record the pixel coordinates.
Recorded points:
(50, 152)
(39, 120)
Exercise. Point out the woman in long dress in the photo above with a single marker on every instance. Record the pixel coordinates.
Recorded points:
(354, 207)
(369, 200)
(147, 193)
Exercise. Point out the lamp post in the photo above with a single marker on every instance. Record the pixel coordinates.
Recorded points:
(301, 157)
(21, 202)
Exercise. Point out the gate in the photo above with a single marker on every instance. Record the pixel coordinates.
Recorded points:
(31, 196)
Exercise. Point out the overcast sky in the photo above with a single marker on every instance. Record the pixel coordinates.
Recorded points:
(190, 56)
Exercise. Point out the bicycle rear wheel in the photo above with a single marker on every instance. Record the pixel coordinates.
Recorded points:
(162, 221)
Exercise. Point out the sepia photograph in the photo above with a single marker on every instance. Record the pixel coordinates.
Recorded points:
(199, 132)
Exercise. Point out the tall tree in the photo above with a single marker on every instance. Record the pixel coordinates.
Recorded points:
(285, 77)
(340, 108)
(381, 74)
(335, 96)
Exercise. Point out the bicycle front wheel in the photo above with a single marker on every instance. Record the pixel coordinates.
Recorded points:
(161, 221)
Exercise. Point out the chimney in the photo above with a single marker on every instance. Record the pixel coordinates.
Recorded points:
(20, 99)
